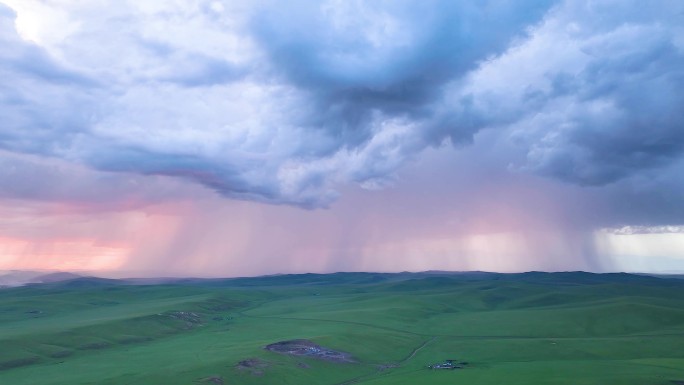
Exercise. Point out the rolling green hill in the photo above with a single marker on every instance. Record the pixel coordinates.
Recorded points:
(533, 328)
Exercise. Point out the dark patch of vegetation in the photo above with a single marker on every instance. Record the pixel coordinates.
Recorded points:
(19, 362)
(254, 366)
(307, 348)
(62, 354)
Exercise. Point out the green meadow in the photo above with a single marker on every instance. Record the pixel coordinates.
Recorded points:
(533, 328)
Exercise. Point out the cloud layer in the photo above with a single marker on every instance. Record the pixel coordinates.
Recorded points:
(285, 104)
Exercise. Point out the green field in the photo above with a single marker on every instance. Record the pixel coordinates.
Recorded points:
(533, 328)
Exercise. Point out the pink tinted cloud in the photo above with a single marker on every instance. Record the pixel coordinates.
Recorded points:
(436, 217)
(60, 255)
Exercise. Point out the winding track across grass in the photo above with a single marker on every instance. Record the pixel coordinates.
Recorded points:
(359, 378)
(410, 356)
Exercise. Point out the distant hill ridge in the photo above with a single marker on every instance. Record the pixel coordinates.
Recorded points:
(23, 277)
(407, 280)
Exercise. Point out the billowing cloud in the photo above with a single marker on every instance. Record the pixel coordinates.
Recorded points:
(255, 106)
(284, 104)
(608, 104)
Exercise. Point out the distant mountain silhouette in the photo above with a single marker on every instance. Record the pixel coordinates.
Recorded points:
(23, 277)
(401, 281)
(55, 277)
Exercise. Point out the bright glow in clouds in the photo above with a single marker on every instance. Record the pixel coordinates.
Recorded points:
(644, 252)
(68, 255)
(225, 138)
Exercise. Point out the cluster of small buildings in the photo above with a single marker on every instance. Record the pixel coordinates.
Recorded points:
(448, 364)
(313, 350)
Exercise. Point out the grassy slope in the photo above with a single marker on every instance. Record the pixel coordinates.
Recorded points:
(535, 328)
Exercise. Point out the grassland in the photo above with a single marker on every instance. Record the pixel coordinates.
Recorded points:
(535, 328)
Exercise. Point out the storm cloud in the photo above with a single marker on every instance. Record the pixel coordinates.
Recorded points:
(437, 134)
(287, 104)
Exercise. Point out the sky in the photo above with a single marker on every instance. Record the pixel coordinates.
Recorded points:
(235, 138)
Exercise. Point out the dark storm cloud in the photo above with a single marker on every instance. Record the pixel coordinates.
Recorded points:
(220, 178)
(594, 95)
(392, 57)
(634, 118)
(284, 104)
